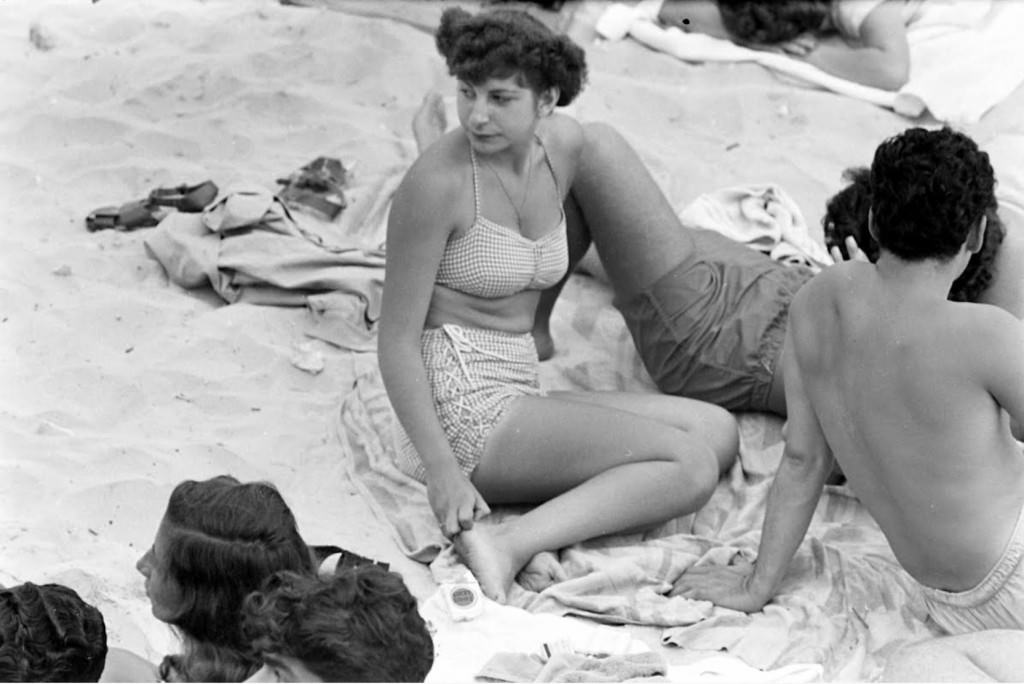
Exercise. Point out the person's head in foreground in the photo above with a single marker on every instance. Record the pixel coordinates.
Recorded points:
(218, 542)
(930, 193)
(846, 216)
(49, 634)
(361, 625)
(512, 71)
(755, 22)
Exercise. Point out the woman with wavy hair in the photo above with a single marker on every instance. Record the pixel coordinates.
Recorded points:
(219, 540)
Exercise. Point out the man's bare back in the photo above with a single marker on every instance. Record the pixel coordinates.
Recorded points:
(919, 399)
(900, 387)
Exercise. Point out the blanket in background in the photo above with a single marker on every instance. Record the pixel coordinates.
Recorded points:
(988, 64)
(845, 603)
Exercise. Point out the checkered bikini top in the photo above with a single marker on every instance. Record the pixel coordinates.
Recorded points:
(491, 260)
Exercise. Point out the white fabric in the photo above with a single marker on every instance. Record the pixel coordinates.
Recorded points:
(461, 649)
(965, 57)
(763, 217)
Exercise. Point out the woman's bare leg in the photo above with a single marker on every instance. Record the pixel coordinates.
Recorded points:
(598, 470)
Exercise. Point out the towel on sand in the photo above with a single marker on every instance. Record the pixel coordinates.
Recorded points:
(845, 603)
(988, 64)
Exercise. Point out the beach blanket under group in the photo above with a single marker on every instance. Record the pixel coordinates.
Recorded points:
(845, 603)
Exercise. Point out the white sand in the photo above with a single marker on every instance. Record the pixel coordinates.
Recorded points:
(116, 385)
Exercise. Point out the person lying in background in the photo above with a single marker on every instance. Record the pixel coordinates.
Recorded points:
(48, 633)
(918, 398)
(361, 625)
(992, 276)
(864, 41)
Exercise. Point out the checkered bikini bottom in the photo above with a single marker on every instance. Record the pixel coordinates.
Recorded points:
(474, 376)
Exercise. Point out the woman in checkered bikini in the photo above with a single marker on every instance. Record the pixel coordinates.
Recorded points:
(476, 231)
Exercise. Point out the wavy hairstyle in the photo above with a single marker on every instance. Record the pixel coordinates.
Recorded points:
(503, 43)
(846, 214)
(929, 188)
(224, 538)
(766, 23)
(361, 625)
(49, 634)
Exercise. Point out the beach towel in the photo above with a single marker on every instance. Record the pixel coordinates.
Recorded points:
(845, 603)
(502, 638)
(988, 63)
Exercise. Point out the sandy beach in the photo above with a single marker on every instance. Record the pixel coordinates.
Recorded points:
(116, 384)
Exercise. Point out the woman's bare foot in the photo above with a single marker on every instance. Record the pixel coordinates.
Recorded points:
(541, 572)
(430, 121)
(492, 566)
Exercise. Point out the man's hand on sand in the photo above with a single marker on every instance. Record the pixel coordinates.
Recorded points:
(725, 586)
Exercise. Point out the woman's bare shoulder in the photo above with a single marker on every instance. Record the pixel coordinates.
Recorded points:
(441, 169)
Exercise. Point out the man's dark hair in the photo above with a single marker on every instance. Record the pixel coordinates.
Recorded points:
(929, 188)
(846, 214)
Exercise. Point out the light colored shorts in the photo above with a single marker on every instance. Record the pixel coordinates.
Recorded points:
(474, 375)
(997, 602)
(713, 327)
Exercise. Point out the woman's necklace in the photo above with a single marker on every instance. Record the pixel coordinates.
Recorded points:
(526, 189)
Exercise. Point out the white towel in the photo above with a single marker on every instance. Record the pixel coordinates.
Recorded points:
(958, 70)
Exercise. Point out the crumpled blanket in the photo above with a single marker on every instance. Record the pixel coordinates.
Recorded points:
(845, 603)
(249, 248)
(763, 217)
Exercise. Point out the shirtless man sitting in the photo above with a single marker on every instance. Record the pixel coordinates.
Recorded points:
(918, 398)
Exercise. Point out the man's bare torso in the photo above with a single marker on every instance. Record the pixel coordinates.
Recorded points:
(896, 390)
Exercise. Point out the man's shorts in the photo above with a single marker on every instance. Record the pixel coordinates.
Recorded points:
(713, 327)
(997, 602)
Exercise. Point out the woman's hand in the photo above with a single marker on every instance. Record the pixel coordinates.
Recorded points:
(455, 501)
(852, 248)
(799, 47)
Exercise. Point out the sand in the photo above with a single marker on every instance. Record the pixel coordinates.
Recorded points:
(117, 384)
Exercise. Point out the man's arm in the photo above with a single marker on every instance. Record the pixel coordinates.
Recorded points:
(806, 463)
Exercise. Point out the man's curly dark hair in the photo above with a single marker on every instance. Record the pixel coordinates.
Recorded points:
(362, 625)
(49, 634)
(929, 188)
(846, 214)
(766, 23)
(503, 43)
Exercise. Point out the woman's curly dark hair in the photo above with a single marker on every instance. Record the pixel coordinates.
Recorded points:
(362, 625)
(502, 43)
(49, 634)
(846, 214)
(766, 23)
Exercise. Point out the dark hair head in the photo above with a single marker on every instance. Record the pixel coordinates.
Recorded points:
(846, 214)
(928, 190)
(504, 43)
(49, 634)
(224, 538)
(361, 625)
(765, 23)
